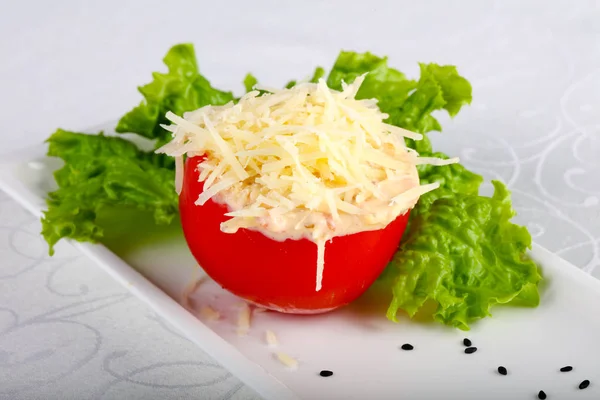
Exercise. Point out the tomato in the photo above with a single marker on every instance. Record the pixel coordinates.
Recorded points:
(282, 275)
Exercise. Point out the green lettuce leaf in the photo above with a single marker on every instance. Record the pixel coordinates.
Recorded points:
(408, 103)
(181, 89)
(460, 250)
(249, 82)
(463, 253)
(453, 179)
(439, 88)
(99, 172)
(389, 86)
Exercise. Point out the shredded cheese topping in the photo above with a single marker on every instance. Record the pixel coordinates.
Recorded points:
(306, 162)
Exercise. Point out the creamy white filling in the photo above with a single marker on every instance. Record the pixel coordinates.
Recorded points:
(320, 226)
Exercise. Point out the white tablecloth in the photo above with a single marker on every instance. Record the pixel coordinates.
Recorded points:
(67, 331)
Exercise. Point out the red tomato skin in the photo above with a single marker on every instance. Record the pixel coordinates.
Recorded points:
(279, 275)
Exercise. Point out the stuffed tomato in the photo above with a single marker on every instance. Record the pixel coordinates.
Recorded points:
(280, 275)
(294, 200)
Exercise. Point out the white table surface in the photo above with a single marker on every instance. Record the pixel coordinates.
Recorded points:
(67, 331)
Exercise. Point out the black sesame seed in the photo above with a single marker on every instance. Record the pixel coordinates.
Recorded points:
(407, 346)
(566, 369)
(542, 395)
(470, 350)
(325, 373)
(584, 384)
(502, 370)
(467, 342)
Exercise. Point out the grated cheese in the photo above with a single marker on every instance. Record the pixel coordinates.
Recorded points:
(286, 360)
(306, 162)
(436, 161)
(189, 290)
(270, 338)
(415, 192)
(178, 174)
(243, 324)
(320, 263)
(210, 314)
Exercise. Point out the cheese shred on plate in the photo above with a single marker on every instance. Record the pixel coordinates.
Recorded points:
(209, 314)
(287, 360)
(243, 323)
(270, 338)
(305, 162)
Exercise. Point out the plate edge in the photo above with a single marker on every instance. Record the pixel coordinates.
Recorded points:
(224, 353)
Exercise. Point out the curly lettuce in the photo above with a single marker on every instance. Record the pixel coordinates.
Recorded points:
(103, 173)
(460, 251)
(408, 103)
(463, 253)
(100, 172)
(181, 89)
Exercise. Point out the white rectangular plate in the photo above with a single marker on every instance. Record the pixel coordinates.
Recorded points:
(358, 343)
